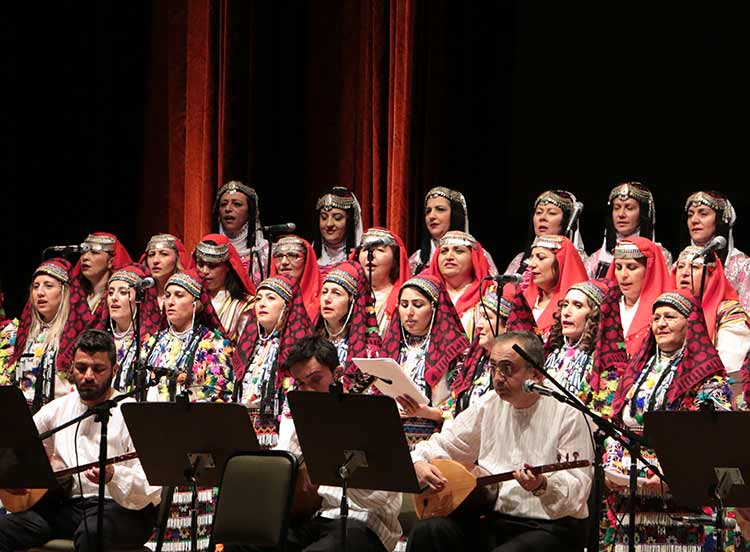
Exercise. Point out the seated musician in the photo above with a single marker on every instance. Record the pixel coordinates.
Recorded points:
(372, 525)
(511, 430)
(129, 507)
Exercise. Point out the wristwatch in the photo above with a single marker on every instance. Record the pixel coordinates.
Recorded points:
(541, 489)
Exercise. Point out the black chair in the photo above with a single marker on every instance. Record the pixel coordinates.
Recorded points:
(255, 498)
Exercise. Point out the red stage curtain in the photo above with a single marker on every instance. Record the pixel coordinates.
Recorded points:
(200, 86)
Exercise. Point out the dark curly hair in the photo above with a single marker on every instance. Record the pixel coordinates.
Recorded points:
(350, 238)
(252, 216)
(590, 330)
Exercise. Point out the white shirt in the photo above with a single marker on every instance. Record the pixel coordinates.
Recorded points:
(377, 509)
(129, 486)
(499, 437)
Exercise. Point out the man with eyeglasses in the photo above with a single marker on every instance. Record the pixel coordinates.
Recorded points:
(511, 430)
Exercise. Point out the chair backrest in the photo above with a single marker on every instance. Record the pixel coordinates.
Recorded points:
(256, 494)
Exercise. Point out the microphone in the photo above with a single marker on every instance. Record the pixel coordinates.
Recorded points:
(506, 278)
(286, 228)
(530, 386)
(64, 248)
(374, 242)
(145, 283)
(719, 242)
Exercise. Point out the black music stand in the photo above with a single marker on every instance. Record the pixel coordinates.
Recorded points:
(23, 460)
(184, 443)
(353, 441)
(714, 473)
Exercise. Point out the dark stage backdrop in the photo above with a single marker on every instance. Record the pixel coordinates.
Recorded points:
(127, 116)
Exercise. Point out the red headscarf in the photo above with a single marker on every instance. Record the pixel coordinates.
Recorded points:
(59, 269)
(699, 359)
(656, 281)
(447, 339)
(79, 307)
(717, 289)
(309, 282)
(172, 242)
(296, 325)
(570, 271)
(149, 311)
(363, 339)
(235, 262)
(480, 269)
(403, 265)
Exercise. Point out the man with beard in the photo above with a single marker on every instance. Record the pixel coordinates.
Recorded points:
(511, 430)
(129, 507)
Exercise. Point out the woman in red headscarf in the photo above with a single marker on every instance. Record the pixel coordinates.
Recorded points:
(641, 273)
(554, 266)
(347, 319)
(165, 254)
(294, 258)
(46, 327)
(102, 254)
(426, 339)
(676, 368)
(389, 267)
(123, 310)
(229, 286)
(277, 321)
(727, 322)
(461, 265)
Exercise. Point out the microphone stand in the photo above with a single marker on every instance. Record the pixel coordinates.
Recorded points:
(630, 440)
(370, 256)
(102, 414)
(703, 274)
(139, 371)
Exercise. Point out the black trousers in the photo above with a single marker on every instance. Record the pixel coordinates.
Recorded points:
(75, 518)
(497, 533)
(324, 535)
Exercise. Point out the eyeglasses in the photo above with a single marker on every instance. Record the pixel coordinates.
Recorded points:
(291, 257)
(505, 368)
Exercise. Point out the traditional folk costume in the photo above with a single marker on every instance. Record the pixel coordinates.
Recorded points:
(570, 271)
(249, 241)
(31, 347)
(420, 259)
(309, 281)
(233, 307)
(736, 263)
(330, 254)
(168, 241)
(358, 337)
(598, 263)
(726, 321)
(636, 319)
(571, 209)
(656, 381)
(150, 322)
(473, 375)
(590, 368)
(202, 355)
(430, 360)
(386, 302)
(92, 309)
(467, 302)
(263, 379)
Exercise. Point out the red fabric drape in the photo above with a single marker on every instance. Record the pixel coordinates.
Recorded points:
(200, 89)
